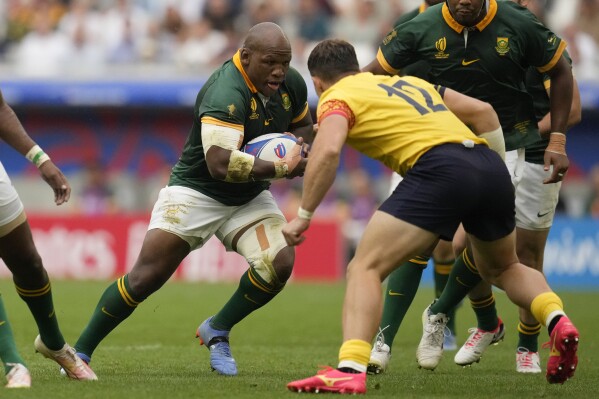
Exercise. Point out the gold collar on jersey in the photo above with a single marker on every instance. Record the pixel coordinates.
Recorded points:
(453, 24)
(248, 82)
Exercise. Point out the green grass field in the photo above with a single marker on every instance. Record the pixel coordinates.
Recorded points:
(154, 354)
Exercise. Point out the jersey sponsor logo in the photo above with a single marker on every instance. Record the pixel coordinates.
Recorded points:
(466, 63)
(254, 108)
(231, 108)
(540, 215)
(552, 40)
(286, 101)
(503, 45)
(106, 312)
(389, 37)
(441, 45)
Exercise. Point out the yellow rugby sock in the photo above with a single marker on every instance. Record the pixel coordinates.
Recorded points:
(355, 354)
(545, 306)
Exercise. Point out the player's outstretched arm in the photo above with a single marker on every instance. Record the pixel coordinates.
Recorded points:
(479, 115)
(13, 133)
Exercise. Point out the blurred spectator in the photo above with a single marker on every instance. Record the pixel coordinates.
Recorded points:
(43, 52)
(311, 22)
(257, 11)
(588, 18)
(125, 29)
(583, 37)
(166, 33)
(360, 25)
(97, 197)
(221, 14)
(202, 46)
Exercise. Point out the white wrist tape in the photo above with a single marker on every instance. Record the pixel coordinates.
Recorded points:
(304, 214)
(37, 156)
(495, 140)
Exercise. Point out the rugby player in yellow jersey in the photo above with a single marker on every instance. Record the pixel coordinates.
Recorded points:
(450, 176)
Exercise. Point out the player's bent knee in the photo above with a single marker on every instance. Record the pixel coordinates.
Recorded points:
(265, 249)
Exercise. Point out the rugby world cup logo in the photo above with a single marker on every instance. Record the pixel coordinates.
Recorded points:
(280, 150)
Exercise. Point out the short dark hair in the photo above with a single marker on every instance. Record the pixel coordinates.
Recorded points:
(331, 58)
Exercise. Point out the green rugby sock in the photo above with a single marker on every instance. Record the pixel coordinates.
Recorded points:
(462, 279)
(116, 304)
(486, 312)
(402, 285)
(8, 348)
(441, 276)
(528, 336)
(39, 301)
(251, 294)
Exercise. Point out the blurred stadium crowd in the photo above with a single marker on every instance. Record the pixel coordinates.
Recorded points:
(46, 38)
(162, 39)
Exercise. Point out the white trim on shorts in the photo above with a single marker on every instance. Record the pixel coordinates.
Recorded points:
(196, 217)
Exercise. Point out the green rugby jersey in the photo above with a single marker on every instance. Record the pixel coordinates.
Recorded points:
(229, 98)
(488, 61)
(419, 68)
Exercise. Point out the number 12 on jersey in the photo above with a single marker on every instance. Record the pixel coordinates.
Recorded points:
(406, 90)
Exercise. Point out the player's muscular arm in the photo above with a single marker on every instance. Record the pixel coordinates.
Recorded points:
(573, 118)
(479, 115)
(11, 130)
(226, 162)
(561, 94)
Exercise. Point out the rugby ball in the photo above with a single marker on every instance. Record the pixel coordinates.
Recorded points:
(270, 147)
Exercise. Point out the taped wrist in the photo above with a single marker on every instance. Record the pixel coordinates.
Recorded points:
(495, 140)
(37, 156)
(557, 143)
(240, 167)
(281, 169)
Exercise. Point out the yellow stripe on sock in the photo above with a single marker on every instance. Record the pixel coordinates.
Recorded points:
(33, 293)
(258, 284)
(483, 302)
(443, 268)
(355, 350)
(529, 329)
(420, 260)
(544, 304)
(469, 264)
(126, 297)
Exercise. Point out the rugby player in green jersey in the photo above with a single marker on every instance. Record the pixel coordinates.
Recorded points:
(216, 189)
(450, 175)
(483, 48)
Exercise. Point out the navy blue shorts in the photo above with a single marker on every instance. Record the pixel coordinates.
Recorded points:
(452, 184)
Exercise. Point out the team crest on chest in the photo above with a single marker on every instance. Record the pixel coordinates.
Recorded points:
(441, 45)
(503, 45)
(254, 108)
(286, 101)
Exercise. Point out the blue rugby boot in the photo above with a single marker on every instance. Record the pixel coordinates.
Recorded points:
(217, 341)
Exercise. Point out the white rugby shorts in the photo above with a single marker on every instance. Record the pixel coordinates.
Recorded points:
(10, 203)
(535, 201)
(196, 217)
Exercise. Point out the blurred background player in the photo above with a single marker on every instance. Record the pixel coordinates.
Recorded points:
(428, 145)
(216, 189)
(20, 255)
(402, 284)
